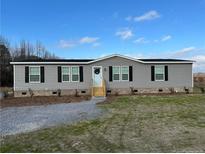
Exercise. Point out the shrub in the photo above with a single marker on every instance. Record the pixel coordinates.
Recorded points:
(59, 92)
(171, 90)
(116, 93)
(132, 91)
(30, 92)
(202, 90)
(186, 90)
(201, 79)
(76, 93)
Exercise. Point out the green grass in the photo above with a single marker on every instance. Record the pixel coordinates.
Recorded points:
(174, 123)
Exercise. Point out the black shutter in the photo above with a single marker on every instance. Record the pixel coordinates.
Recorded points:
(59, 73)
(166, 72)
(152, 73)
(27, 74)
(42, 74)
(130, 73)
(110, 73)
(81, 73)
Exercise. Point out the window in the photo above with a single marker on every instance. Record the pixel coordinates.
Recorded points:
(159, 73)
(125, 73)
(75, 74)
(116, 73)
(34, 74)
(120, 73)
(65, 74)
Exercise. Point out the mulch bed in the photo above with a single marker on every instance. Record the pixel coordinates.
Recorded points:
(41, 100)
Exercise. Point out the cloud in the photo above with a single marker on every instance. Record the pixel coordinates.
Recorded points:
(141, 40)
(192, 53)
(184, 51)
(150, 15)
(88, 39)
(66, 44)
(125, 33)
(189, 53)
(199, 58)
(199, 65)
(166, 38)
(136, 55)
(83, 40)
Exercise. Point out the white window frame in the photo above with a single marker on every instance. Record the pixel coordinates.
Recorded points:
(75, 74)
(121, 73)
(155, 72)
(38, 74)
(65, 74)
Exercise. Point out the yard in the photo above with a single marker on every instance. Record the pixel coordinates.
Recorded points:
(170, 123)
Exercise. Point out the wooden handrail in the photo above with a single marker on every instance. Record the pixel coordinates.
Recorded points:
(104, 87)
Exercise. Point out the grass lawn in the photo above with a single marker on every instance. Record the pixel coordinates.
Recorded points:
(133, 124)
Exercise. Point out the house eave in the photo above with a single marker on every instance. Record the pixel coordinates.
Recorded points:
(167, 62)
(103, 58)
(34, 63)
(115, 55)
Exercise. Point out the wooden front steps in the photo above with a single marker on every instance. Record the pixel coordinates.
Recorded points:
(99, 91)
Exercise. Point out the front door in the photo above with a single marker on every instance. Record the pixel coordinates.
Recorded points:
(97, 76)
(98, 87)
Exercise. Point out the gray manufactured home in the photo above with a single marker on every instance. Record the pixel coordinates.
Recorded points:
(114, 74)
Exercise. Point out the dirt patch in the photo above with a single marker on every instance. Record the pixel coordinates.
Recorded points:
(41, 100)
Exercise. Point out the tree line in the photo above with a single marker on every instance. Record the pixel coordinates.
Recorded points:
(21, 51)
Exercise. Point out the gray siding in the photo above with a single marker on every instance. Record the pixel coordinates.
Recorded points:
(51, 79)
(180, 75)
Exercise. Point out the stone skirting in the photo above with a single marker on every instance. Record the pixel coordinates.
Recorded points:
(113, 91)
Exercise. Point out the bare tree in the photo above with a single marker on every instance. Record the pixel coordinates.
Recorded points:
(23, 50)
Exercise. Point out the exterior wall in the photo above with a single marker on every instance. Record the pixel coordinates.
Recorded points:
(179, 76)
(51, 79)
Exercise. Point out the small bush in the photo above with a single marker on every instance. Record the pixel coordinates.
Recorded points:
(201, 79)
(116, 93)
(171, 90)
(132, 91)
(202, 90)
(186, 90)
(76, 93)
(59, 92)
(30, 92)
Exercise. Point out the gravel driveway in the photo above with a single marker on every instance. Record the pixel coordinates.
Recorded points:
(14, 120)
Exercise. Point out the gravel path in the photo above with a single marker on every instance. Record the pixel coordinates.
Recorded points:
(14, 120)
